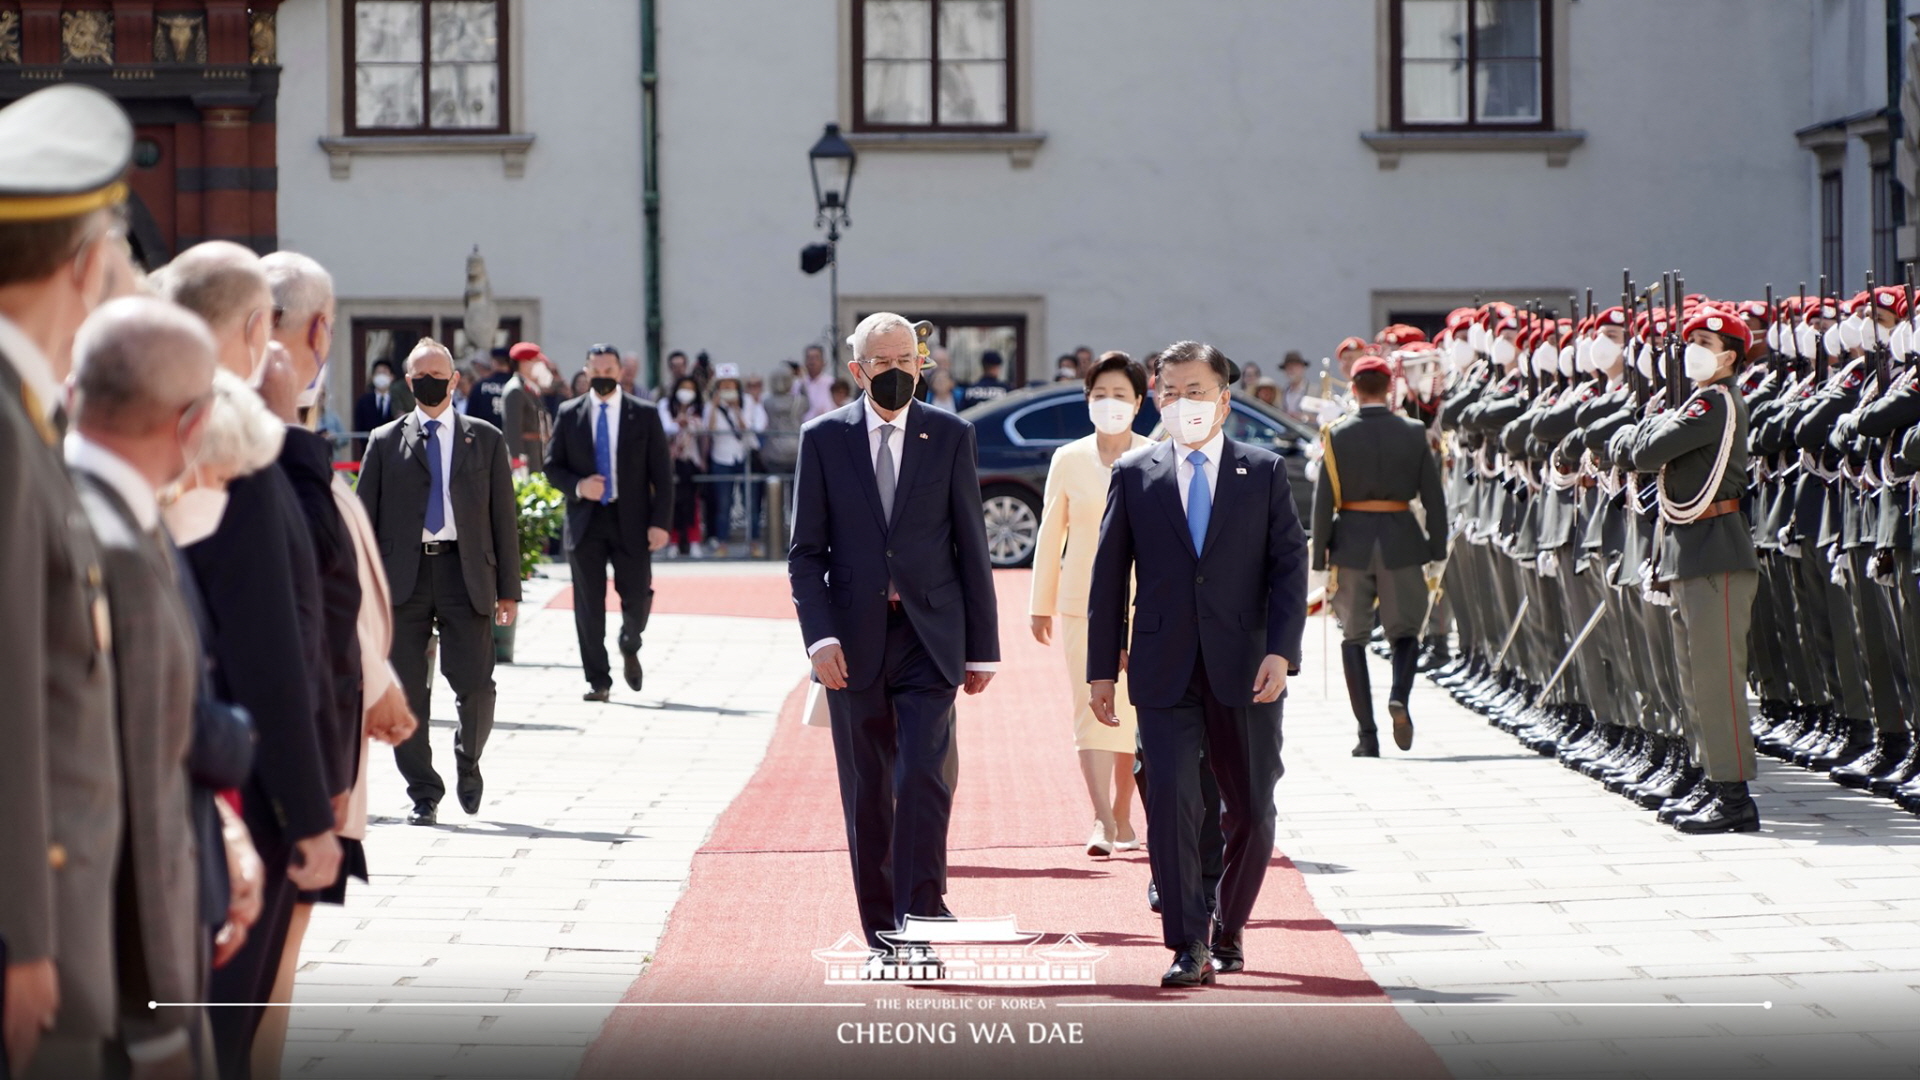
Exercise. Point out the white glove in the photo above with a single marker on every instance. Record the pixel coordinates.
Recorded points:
(1548, 564)
(1434, 572)
(1316, 582)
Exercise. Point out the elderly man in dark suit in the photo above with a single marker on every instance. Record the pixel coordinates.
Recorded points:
(439, 491)
(259, 577)
(609, 455)
(894, 590)
(1376, 462)
(143, 374)
(1207, 528)
(63, 151)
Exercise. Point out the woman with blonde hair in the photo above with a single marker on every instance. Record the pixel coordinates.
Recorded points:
(1076, 497)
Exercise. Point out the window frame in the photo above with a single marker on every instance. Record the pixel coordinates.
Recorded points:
(502, 60)
(1396, 118)
(858, 77)
(1883, 236)
(1833, 223)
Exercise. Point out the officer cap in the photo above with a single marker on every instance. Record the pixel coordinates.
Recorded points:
(64, 152)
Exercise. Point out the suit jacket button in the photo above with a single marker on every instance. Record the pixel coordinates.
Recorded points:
(1200, 579)
(889, 553)
(57, 856)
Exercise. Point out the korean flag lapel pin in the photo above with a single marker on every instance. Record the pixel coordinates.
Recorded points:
(923, 434)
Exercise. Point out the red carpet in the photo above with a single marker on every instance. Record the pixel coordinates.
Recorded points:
(751, 596)
(772, 885)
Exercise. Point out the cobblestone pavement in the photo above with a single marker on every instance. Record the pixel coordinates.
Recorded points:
(1470, 874)
(1474, 871)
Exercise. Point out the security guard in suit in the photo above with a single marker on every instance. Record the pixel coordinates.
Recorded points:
(1375, 463)
(63, 151)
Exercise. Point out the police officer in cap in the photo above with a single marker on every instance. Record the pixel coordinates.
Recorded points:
(1375, 463)
(63, 151)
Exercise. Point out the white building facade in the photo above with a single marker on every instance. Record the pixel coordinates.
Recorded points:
(1036, 175)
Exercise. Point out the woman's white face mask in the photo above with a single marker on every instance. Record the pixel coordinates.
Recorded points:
(1701, 362)
(1110, 416)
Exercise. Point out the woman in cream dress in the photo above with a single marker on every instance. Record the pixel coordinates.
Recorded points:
(1062, 570)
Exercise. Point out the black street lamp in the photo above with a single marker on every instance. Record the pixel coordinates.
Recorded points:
(831, 160)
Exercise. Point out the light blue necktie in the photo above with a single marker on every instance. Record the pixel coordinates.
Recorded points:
(1199, 501)
(437, 482)
(603, 454)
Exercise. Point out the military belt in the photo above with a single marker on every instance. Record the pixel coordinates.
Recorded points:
(1714, 510)
(1376, 506)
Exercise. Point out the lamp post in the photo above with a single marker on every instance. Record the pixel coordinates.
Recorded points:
(832, 161)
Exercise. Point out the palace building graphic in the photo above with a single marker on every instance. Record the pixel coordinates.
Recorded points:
(989, 952)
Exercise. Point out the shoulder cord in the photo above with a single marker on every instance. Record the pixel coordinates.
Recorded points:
(1326, 460)
(1686, 513)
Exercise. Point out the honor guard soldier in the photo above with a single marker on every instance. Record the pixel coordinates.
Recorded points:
(63, 152)
(1375, 464)
(1704, 555)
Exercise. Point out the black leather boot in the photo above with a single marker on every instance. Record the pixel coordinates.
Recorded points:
(1406, 654)
(1730, 810)
(1360, 693)
(1890, 748)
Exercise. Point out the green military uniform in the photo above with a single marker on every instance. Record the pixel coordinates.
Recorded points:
(1709, 565)
(1375, 464)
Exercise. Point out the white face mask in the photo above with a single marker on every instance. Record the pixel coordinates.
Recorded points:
(1583, 354)
(1190, 422)
(1643, 361)
(1504, 352)
(1606, 354)
(1110, 416)
(194, 515)
(728, 396)
(311, 395)
(1459, 354)
(1850, 332)
(1477, 339)
(1807, 340)
(684, 396)
(1566, 361)
(1773, 337)
(1835, 341)
(1901, 340)
(1701, 362)
(1546, 359)
(382, 381)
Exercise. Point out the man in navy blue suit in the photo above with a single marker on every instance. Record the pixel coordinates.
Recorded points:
(1207, 530)
(895, 595)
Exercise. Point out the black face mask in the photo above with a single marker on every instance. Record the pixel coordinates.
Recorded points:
(428, 390)
(604, 386)
(891, 389)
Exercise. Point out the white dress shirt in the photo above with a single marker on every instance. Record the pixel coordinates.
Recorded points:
(1184, 472)
(896, 446)
(114, 471)
(594, 402)
(444, 437)
(818, 390)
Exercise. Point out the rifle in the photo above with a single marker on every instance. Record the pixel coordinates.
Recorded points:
(1882, 347)
(1771, 322)
(1820, 339)
(1631, 307)
(1676, 347)
(1908, 317)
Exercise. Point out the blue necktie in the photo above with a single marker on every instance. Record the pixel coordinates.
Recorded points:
(437, 482)
(603, 454)
(1199, 501)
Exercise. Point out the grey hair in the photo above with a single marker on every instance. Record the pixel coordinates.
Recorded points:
(880, 322)
(242, 436)
(137, 362)
(216, 280)
(302, 288)
(427, 345)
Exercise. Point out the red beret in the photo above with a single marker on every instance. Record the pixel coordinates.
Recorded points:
(1613, 316)
(1724, 323)
(1371, 363)
(526, 350)
(1400, 334)
(1350, 343)
(1894, 300)
(1755, 309)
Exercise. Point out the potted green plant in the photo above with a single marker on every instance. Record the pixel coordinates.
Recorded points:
(541, 509)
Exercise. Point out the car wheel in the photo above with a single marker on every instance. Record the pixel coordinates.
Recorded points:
(1013, 525)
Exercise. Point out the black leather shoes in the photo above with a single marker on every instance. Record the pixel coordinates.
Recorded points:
(1192, 966)
(1402, 724)
(1153, 896)
(1731, 810)
(423, 814)
(1368, 746)
(469, 787)
(1227, 953)
(596, 695)
(632, 672)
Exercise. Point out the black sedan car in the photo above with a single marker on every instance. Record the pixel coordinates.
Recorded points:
(1019, 433)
